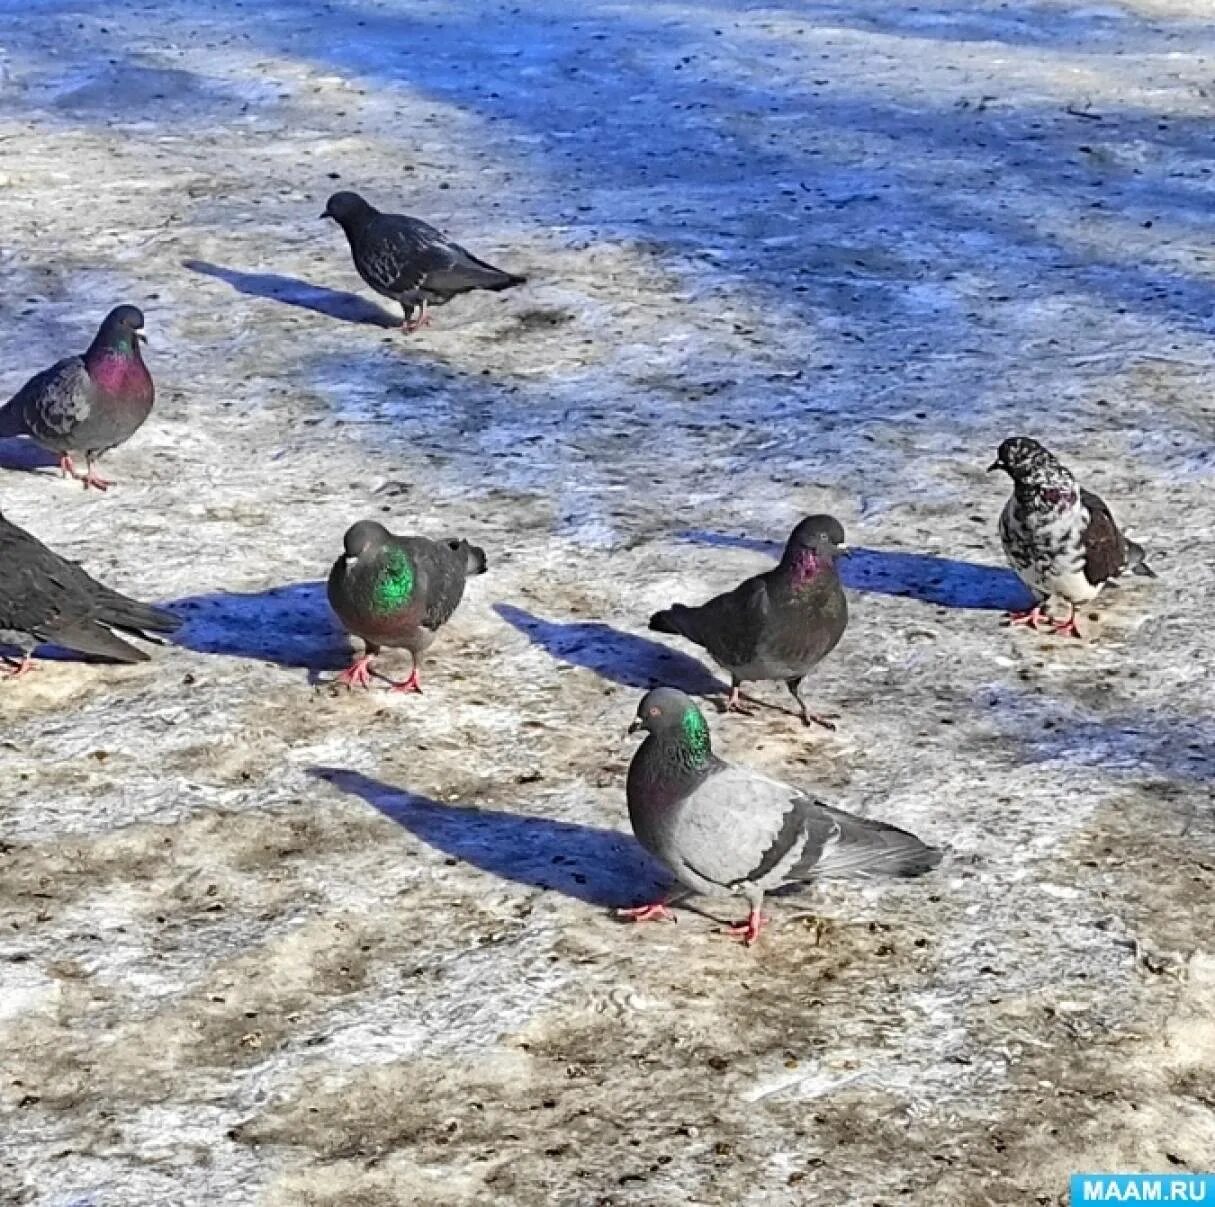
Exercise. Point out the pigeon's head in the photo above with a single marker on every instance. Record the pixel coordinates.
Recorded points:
(363, 537)
(822, 535)
(345, 208)
(475, 561)
(663, 710)
(123, 325)
(1023, 460)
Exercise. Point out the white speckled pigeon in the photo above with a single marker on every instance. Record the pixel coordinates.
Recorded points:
(397, 591)
(728, 831)
(45, 598)
(1060, 538)
(87, 404)
(408, 260)
(779, 624)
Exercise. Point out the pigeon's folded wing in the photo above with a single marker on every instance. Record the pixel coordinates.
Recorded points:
(1104, 545)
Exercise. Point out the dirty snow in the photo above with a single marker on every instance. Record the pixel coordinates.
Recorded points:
(265, 943)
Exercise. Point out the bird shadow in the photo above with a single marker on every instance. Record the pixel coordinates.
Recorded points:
(623, 658)
(601, 867)
(25, 456)
(942, 581)
(291, 625)
(291, 291)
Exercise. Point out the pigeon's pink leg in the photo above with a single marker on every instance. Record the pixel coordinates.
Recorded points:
(22, 668)
(658, 912)
(1067, 627)
(412, 684)
(732, 704)
(66, 468)
(357, 674)
(1030, 619)
(746, 932)
(94, 479)
(411, 324)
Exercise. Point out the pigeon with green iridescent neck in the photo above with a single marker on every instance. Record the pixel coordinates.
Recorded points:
(88, 404)
(779, 624)
(397, 591)
(728, 831)
(45, 599)
(410, 261)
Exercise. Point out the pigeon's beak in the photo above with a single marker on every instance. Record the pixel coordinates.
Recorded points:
(139, 335)
(994, 465)
(843, 550)
(634, 725)
(325, 215)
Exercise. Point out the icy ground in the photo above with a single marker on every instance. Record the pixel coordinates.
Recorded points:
(268, 944)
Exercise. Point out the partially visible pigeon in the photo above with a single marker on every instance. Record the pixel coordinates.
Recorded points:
(779, 624)
(87, 404)
(397, 591)
(45, 598)
(408, 260)
(1060, 538)
(727, 831)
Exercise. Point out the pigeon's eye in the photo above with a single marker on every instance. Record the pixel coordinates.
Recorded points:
(654, 712)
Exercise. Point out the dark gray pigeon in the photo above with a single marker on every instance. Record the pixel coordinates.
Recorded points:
(779, 624)
(409, 261)
(1060, 538)
(45, 598)
(728, 831)
(397, 591)
(87, 404)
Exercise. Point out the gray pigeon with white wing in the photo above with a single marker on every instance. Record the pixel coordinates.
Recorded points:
(729, 831)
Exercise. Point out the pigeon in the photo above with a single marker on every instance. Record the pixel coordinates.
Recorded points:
(397, 591)
(729, 831)
(409, 261)
(779, 624)
(87, 404)
(45, 598)
(1060, 538)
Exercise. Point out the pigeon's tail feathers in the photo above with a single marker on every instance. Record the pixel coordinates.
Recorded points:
(672, 620)
(477, 274)
(134, 617)
(12, 421)
(89, 637)
(866, 848)
(1136, 560)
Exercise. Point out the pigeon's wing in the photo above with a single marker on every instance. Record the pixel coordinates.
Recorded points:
(465, 272)
(53, 599)
(1104, 544)
(443, 568)
(841, 845)
(396, 254)
(739, 827)
(728, 625)
(56, 401)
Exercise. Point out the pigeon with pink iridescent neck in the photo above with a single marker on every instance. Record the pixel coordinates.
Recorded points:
(779, 624)
(86, 405)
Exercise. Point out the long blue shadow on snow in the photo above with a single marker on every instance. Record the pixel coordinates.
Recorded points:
(600, 867)
(291, 625)
(933, 580)
(623, 658)
(291, 291)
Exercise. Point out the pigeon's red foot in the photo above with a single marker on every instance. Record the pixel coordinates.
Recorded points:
(21, 668)
(658, 912)
(357, 674)
(412, 684)
(734, 704)
(746, 932)
(1067, 628)
(95, 480)
(1031, 619)
(414, 321)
